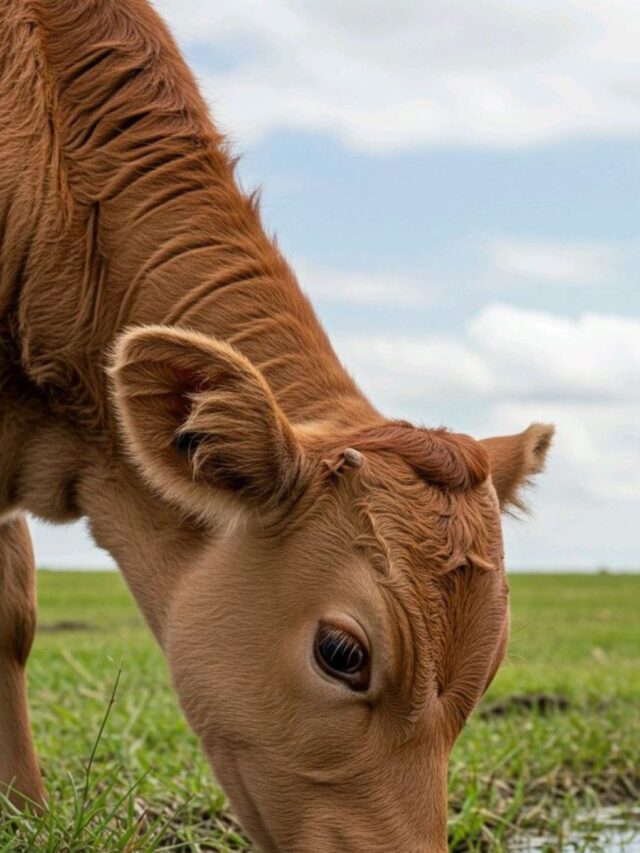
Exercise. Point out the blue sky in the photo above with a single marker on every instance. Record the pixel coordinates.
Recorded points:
(457, 185)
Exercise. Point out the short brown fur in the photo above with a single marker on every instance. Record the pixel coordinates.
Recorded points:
(163, 376)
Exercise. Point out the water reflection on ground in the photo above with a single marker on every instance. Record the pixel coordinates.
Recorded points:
(607, 831)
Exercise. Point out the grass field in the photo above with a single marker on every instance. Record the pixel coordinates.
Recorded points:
(525, 763)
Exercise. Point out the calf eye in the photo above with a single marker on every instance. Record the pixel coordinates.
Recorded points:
(342, 656)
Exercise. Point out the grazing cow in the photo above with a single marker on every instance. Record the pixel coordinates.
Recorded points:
(327, 584)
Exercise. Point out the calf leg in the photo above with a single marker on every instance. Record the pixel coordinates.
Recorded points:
(18, 765)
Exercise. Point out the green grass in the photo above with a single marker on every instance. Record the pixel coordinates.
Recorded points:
(522, 770)
(578, 637)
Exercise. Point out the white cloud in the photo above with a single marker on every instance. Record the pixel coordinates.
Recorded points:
(413, 369)
(573, 263)
(385, 77)
(360, 288)
(537, 354)
(508, 368)
(507, 353)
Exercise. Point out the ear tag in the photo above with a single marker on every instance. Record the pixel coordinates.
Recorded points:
(352, 458)
(349, 458)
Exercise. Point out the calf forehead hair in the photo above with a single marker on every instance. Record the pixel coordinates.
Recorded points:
(424, 494)
(426, 517)
(442, 458)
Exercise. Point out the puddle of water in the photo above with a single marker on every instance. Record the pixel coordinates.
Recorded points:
(606, 842)
(606, 832)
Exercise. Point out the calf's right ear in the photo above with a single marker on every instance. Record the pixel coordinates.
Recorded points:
(515, 459)
(201, 421)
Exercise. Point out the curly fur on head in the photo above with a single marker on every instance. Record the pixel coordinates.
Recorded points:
(438, 456)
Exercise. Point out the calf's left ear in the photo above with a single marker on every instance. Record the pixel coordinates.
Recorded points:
(514, 460)
(201, 420)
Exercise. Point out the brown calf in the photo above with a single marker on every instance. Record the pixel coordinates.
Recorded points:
(327, 584)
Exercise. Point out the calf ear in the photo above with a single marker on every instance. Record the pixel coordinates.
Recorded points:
(514, 459)
(201, 420)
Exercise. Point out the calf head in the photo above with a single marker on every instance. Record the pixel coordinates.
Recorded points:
(350, 607)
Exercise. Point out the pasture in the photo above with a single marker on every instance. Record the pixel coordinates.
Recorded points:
(556, 739)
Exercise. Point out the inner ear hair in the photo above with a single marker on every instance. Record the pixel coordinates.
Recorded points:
(186, 443)
(202, 422)
(542, 437)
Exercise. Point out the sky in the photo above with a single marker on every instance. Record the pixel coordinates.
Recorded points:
(457, 185)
